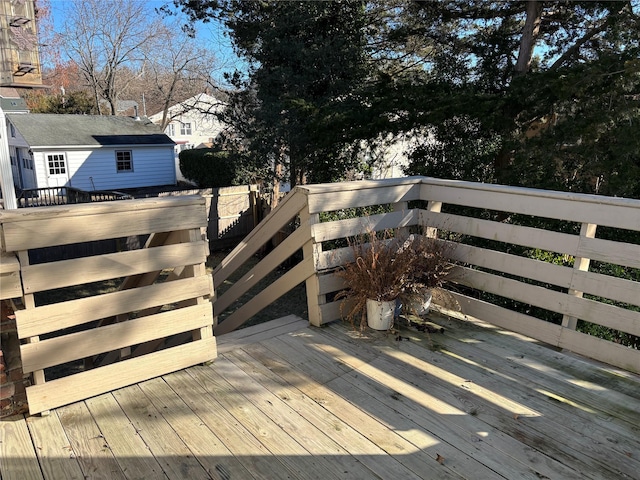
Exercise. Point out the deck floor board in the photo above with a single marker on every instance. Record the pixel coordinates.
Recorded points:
(569, 395)
(134, 457)
(287, 401)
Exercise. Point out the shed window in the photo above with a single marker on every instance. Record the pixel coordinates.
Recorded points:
(124, 161)
(56, 164)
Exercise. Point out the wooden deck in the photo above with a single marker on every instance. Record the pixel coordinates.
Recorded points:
(321, 403)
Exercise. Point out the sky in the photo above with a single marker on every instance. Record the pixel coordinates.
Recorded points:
(211, 34)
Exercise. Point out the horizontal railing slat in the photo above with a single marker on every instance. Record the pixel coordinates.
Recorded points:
(329, 283)
(609, 251)
(62, 230)
(362, 197)
(46, 276)
(592, 311)
(512, 264)
(49, 318)
(83, 210)
(582, 208)
(331, 311)
(606, 286)
(503, 232)
(556, 335)
(94, 382)
(74, 346)
(351, 227)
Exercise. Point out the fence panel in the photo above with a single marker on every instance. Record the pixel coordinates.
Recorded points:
(232, 212)
(158, 320)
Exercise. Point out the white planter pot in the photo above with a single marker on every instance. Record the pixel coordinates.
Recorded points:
(380, 314)
(422, 308)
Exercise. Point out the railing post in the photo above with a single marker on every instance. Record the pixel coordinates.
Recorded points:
(588, 230)
(311, 249)
(401, 207)
(436, 207)
(28, 302)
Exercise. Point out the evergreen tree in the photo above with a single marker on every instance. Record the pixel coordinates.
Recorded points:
(306, 63)
(533, 93)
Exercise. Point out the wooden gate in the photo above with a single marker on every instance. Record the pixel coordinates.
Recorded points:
(159, 319)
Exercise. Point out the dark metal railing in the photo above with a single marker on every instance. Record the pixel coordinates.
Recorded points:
(48, 196)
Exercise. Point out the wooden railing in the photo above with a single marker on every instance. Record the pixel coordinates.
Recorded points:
(163, 300)
(494, 228)
(48, 196)
(287, 211)
(159, 320)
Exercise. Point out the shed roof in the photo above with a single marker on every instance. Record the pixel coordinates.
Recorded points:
(46, 129)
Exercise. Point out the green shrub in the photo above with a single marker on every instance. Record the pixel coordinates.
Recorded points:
(209, 167)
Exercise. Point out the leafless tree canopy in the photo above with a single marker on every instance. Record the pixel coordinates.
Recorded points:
(126, 51)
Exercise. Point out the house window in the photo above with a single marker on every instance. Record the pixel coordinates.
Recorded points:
(13, 130)
(14, 162)
(185, 129)
(124, 161)
(56, 164)
(170, 130)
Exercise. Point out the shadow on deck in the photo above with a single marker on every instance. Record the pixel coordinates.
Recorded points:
(284, 400)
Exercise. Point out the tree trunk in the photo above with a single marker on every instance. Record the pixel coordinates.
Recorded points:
(530, 34)
(277, 177)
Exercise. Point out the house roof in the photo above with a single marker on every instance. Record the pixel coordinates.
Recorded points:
(13, 104)
(11, 101)
(200, 101)
(45, 129)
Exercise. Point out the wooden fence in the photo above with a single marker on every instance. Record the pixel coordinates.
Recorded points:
(159, 320)
(487, 221)
(232, 211)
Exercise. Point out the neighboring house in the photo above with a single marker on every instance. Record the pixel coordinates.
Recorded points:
(389, 155)
(89, 152)
(10, 102)
(193, 124)
(19, 53)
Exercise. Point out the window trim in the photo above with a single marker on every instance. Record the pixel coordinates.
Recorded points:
(119, 161)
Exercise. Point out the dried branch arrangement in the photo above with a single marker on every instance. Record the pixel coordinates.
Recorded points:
(389, 267)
